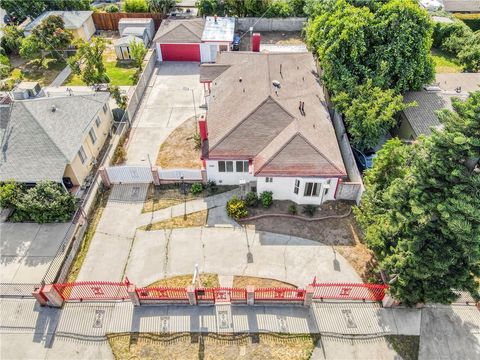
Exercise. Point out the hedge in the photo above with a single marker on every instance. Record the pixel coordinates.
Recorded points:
(472, 20)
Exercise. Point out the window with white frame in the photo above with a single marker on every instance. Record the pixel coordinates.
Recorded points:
(225, 166)
(268, 179)
(92, 135)
(242, 166)
(98, 121)
(312, 189)
(297, 186)
(82, 155)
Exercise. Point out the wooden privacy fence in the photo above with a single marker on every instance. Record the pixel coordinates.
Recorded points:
(109, 21)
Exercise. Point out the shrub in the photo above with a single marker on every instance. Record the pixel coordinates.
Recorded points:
(120, 155)
(197, 140)
(309, 210)
(12, 39)
(471, 20)
(46, 202)
(292, 209)
(212, 187)
(5, 66)
(135, 6)
(279, 8)
(236, 208)
(111, 9)
(9, 192)
(251, 199)
(267, 198)
(196, 188)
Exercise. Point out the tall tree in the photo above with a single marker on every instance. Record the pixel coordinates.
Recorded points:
(52, 36)
(137, 52)
(421, 209)
(161, 6)
(88, 61)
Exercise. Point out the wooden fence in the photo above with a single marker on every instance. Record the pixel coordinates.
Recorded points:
(109, 21)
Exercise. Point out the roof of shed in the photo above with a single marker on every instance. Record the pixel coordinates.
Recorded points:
(180, 31)
(248, 117)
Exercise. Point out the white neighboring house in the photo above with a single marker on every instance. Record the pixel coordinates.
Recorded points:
(267, 126)
(79, 22)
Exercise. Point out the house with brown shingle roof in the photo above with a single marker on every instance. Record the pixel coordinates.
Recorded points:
(267, 126)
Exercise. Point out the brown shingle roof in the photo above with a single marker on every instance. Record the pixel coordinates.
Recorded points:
(180, 31)
(209, 72)
(250, 118)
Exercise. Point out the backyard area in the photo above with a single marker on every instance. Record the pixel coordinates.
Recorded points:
(445, 62)
(119, 73)
(273, 38)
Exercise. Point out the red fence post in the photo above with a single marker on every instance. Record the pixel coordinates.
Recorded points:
(307, 301)
(132, 292)
(53, 295)
(40, 296)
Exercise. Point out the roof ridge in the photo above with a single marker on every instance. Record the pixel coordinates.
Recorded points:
(320, 152)
(247, 116)
(176, 27)
(278, 151)
(44, 131)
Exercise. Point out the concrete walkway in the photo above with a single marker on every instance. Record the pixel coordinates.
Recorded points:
(62, 76)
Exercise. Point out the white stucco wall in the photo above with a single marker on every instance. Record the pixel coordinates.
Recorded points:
(226, 178)
(207, 54)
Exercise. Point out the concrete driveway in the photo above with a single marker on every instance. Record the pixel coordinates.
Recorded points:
(166, 104)
(27, 250)
(234, 251)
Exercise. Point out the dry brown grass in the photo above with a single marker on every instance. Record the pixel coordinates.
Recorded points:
(178, 150)
(187, 346)
(258, 282)
(198, 218)
(162, 197)
(359, 256)
(206, 280)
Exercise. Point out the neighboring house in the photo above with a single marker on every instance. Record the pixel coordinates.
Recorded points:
(80, 23)
(53, 138)
(194, 39)
(268, 126)
(462, 6)
(142, 23)
(122, 46)
(420, 119)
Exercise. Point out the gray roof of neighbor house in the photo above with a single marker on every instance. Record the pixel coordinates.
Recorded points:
(465, 82)
(72, 19)
(43, 135)
(462, 5)
(180, 31)
(250, 118)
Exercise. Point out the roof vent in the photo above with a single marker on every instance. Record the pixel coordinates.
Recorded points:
(276, 83)
(432, 88)
(458, 89)
(54, 108)
(240, 79)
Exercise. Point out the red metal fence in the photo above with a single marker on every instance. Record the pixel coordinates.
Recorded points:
(363, 292)
(279, 294)
(162, 293)
(93, 290)
(219, 295)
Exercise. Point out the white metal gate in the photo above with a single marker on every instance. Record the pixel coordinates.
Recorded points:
(127, 174)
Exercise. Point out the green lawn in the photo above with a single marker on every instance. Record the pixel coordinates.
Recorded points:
(118, 73)
(445, 62)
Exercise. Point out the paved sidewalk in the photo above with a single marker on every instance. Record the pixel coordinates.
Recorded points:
(62, 76)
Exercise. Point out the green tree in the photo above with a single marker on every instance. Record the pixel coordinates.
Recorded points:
(9, 192)
(120, 99)
(389, 44)
(369, 113)
(279, 8)
(30, 49)
(21, 9)
(88, 61)
(137, 53)
(52, 36)
(161, 6)
(297, 7)
(111, 9)
(469, 55)
(12, 39)
(421, 209)
(135, 6)
(5, 66)
(47, 202)
(208, 7)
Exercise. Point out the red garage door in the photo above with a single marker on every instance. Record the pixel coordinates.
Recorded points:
(180, 52)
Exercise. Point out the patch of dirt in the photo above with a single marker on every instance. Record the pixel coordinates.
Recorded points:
(258, 282)
(328, 208)
(206, 280)
(274, 38)
(178, 150)
(187, 346)
(195, 219)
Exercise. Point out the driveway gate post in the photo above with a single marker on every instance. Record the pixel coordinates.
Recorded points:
(192, 299)
(250, 295)
(54, 297)
(132, 292)
(307, 300)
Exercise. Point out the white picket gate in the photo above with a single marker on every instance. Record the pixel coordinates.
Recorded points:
(127, 174)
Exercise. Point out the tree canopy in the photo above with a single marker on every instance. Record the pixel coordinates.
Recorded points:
(242, 8)
(21, 9)
(421, 209)
(88, 61)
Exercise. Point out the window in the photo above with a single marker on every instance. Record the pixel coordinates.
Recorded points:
(297, 186)
(105, 108)
(98, 121)
(225, 166)
(82, 155)
(268, 179)
(242, 166)
(312, 189)
(93, 136)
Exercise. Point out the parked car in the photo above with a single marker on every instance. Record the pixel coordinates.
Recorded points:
(364, 160)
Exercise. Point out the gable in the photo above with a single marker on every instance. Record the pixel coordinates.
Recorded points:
(255, 132)
(179, 34)
(298, 158)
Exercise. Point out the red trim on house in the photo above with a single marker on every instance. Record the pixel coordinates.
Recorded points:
(336, 189)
